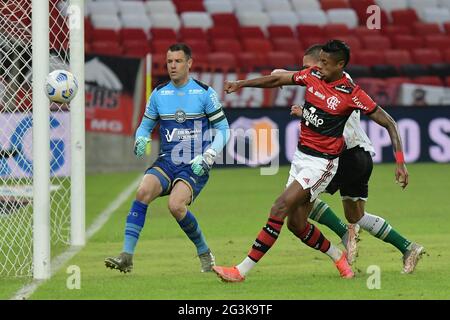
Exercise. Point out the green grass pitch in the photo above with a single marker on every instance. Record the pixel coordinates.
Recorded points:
(231, 211)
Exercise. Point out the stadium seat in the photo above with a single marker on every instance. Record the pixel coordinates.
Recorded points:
(444, 4)
(131, 7)
(306, 30)
(334, 4)
(136, 21)
(376, 43)
(103, 21)
(397, 57)
(198, 46)
(363, 31)
(333, 30)
(160, 7)
(312, 17)
(226, 45)
(163, 34)
(227, 20)
(394, 30)
(96, 7)
(110, 35)
(221, 33)
(447, 81)
(446, 55)
(196, 20)
(390, 5)
(345, 16)
(107, 48)
(159, 65)
(425, 29)
(160, 46)
(426, 56)
(250, 61)
(361, 12)
(429, 80)
(307, 5)
(404, 17)
(277, 6)
(200, 61)
(165, 20)
(283, 19)
(219, 6)
(288, 44)
(420, 5)
(309, 41)
(133, 35)
(282, 59)
(440, 42)
(368, 58)
(222, 61)
(260, 19)
(280, 32)
(396, 81)
(257, 45)
(136, 48)
(436, 15)
(188, 6)
(251, 33)
(352, 41)
(251, 6)
(407, 42)
(190, 33)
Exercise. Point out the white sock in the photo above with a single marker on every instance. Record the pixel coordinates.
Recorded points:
(374, 224)
(245, 266)
(334, 253)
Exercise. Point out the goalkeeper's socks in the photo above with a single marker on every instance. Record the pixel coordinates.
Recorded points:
(134, 225)
(313, 238)
(323, 214)
(190, 226)
(381, 229)
(265, 240)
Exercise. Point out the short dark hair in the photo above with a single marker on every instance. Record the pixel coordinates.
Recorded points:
(182, 47)
(314, 51)
(338, 49)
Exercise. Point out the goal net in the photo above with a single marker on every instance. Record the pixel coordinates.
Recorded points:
(16, 134)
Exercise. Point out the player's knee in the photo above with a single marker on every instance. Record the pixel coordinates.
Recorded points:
(279, 208)
(143, 195)
(176, 208)
(353, 216)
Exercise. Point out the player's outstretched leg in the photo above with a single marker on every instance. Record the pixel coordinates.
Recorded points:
(411, 257)
(349, 234)
(123, 263)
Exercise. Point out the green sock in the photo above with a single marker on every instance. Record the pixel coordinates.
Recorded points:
(381, 229)
(323, 214)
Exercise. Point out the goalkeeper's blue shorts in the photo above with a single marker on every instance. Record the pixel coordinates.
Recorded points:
(169, 173)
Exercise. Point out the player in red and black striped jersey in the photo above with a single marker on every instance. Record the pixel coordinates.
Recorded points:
(330, 99)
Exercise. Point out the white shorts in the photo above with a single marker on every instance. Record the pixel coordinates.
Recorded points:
(312, 173)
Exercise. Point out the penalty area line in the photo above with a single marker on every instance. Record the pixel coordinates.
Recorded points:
(58, 262)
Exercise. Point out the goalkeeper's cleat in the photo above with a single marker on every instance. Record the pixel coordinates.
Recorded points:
(350, 242)
(344, 268)
(228, 274)
(123, 263)
(412, 257)
(207, 261)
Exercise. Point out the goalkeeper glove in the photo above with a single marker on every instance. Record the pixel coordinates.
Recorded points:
(201, 164)
(140, 146)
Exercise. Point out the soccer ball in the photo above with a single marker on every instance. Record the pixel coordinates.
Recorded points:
(61, 86)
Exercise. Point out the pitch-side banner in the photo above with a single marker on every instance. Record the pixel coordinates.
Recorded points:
(263, 136)
(110, 87)
(16, 141)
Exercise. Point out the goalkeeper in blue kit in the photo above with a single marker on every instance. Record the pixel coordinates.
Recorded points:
(186, 110)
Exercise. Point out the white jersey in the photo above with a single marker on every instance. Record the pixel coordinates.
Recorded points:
(354, 135)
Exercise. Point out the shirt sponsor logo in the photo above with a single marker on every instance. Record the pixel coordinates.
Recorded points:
(167, 92)
(359, 104)
(195, 91)
(182, 134)
(311, 117)
(180, 116)
(215, 101)
(300, 77)
(333, 102)
(316, 93)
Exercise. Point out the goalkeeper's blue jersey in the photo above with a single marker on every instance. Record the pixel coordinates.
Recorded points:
(185, 115)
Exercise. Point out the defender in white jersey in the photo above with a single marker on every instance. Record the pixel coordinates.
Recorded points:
(352, 180)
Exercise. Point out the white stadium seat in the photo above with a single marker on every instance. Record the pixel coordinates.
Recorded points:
(196, 20)
(444, 3)
(308, 5)
(248, 6)
(131, 7)
(103, 7)
(106, 21)
(160, 7)
(345, 16)
(165, 20)
(259, 19)
(390, 5)
(136, 21)
(314, 17)
(436, 15)
(283, 19)
(279, 5)
(219, 6)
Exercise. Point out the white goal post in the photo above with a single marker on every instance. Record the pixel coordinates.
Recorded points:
(42, 163)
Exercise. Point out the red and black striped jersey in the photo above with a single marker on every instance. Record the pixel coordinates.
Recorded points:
(327, 107)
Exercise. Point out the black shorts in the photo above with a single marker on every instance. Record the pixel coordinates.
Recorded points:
(353, 174)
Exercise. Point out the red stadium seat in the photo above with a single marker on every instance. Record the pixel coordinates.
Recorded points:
(227, 20)
(287, 44)
(426, 56)
(425, 29)
(352, 41)
(369, 58)
(200, 61)
(160, 46)
(280, 32)
(127, 34)
(396, 81)
(309, 41)
(376, 43)
(191, 33)
(355, 4)
(188, 5)
(429, 80)
(333, 31)
(107, 48)
(397, 57)
(136, 48)
(305, 31)
(105, 35)
(163, 34)
(361, 12)
(198, 46)
(88, 28)
(334, 4)
(393, 30)
(362, 31)
(159, 64)
(226, 45)
(282, 59)
(447, 27)
(407, 42)
(221, 33)
(437, 42)
(257, 45)
(446, 54)
(249, 61)
(404, 17)
(447, 81)
(222, 61)
(251, 33)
